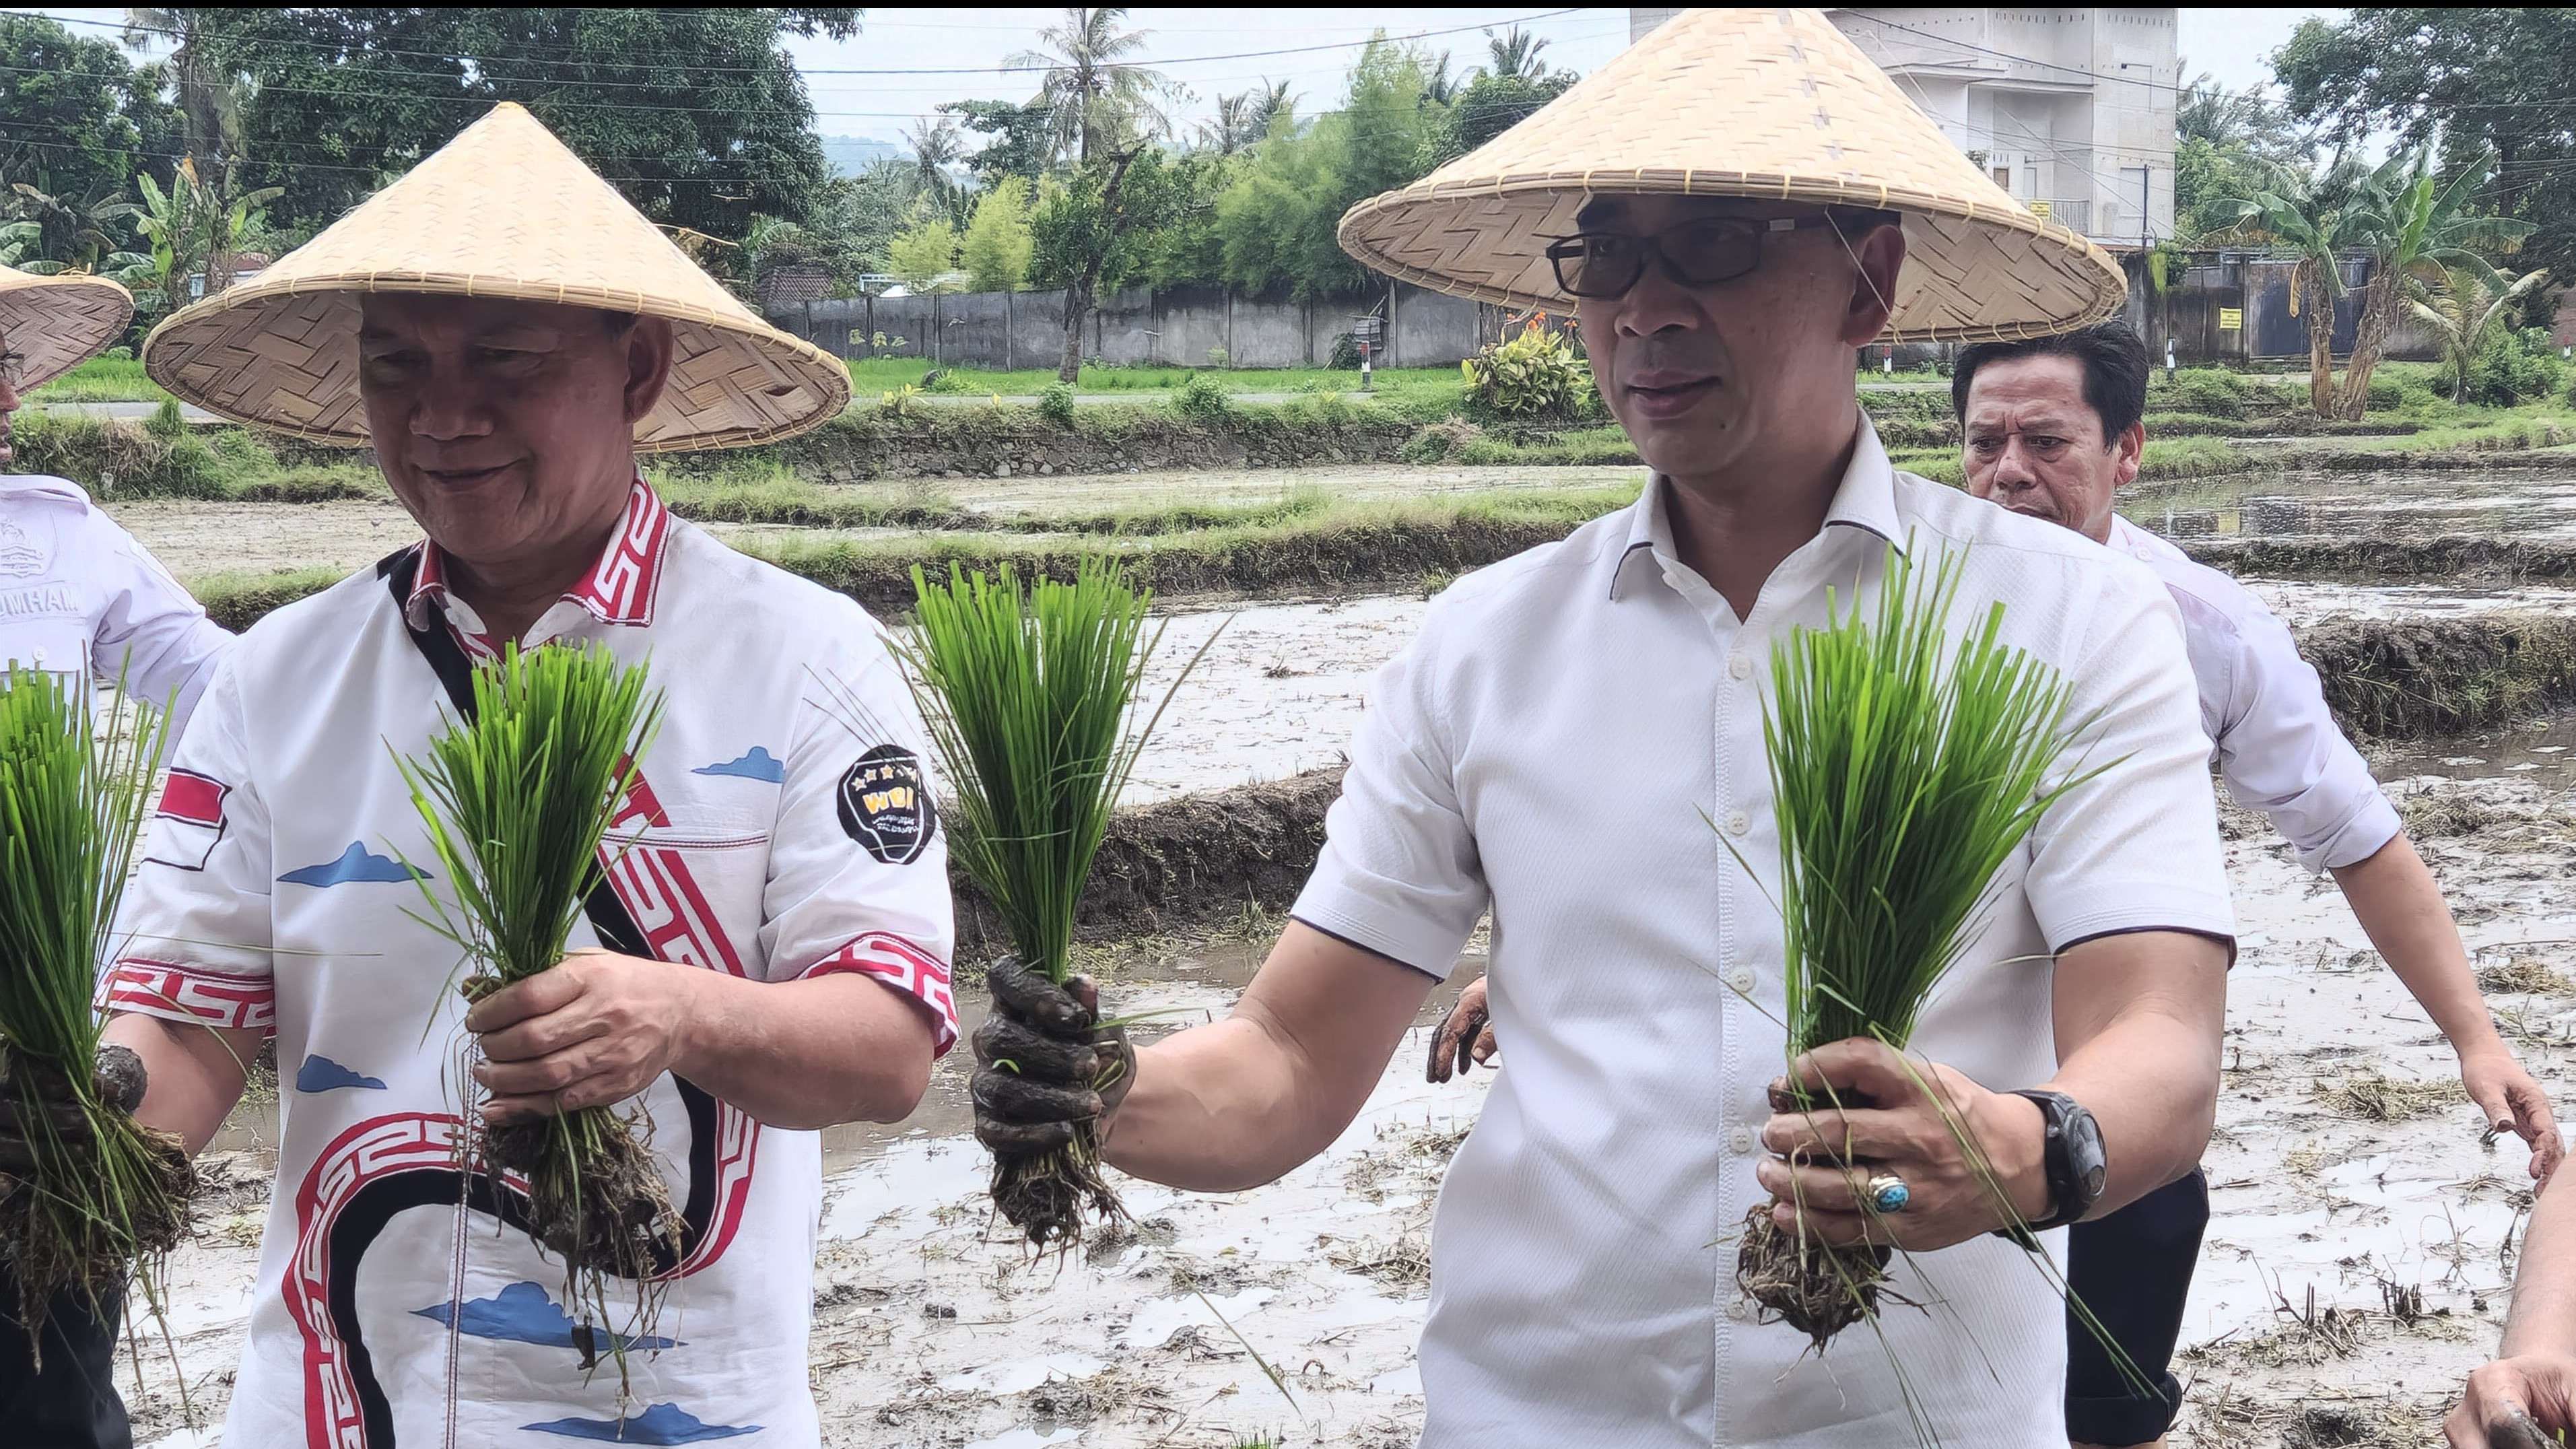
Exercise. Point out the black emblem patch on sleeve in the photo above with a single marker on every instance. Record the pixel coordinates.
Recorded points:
(885, 805)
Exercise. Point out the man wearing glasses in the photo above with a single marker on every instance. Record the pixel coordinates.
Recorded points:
(1575, 743)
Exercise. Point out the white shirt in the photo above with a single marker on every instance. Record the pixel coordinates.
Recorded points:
(79, 596)
(2275, 742)
(1557, 744)
(769, 837)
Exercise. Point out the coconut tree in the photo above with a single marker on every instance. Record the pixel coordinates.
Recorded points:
(936, 152)
(2464, 308)
(2417, 228)
(1271, 104)
(1514, 54)
(1098, 103)
(1237, 124)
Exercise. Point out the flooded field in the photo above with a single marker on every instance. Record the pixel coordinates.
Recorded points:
(2517, 503)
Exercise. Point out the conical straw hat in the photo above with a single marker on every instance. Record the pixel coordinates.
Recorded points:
(55, 322)
(1771, 104)
(504, 210)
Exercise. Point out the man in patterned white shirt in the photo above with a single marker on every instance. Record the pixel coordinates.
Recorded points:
(770, 956)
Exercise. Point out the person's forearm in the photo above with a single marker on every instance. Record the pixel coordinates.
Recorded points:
(803, 1055)
(2139, 1020)
(2543, 1319)
(192, 1074)
(1235, 1103)
(2400, 906)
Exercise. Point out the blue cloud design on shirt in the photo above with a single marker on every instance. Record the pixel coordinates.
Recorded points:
(321, 1074)
(755, 764)
(357, 863)
(660, 1424)
(525, 1313)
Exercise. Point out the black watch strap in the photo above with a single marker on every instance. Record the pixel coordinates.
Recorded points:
(2073, 1185)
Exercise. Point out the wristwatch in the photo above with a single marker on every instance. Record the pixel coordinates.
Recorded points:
(2072, 1158)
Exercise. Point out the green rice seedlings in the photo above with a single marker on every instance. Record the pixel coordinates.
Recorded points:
(103, 1197)
(1026, 691)
(516, 801)
(1907, 763)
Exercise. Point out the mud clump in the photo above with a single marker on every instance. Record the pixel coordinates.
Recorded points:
(2411, 678)
(1815, 1289)
(608, 1213)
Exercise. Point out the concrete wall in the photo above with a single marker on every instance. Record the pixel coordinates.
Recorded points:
(1182, 326)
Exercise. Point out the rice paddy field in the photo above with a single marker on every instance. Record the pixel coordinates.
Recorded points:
(2365, 1234)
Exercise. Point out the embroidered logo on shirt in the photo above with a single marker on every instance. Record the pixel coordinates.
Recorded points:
(885, 806)
(357, 863)
(21, 556)
(192, 820)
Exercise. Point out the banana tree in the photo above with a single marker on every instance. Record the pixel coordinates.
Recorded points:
(195, 227)
(2316, 216)
(2418, 229)
(81, 231)
(2464, 307)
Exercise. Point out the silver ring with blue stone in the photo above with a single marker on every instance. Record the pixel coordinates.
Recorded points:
(1888, 1193)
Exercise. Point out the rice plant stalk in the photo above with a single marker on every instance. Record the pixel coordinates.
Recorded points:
(1906, 766)
(106, 1197)
(516, 802)
(1026, 692)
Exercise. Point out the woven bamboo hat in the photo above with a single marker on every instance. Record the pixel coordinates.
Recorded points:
(56, 322)
(1770, 104)
(504, 210)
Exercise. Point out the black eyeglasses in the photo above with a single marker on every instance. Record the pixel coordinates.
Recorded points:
(1600, 264)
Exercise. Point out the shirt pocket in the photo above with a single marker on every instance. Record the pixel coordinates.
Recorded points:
(57, 645)
(695, 890)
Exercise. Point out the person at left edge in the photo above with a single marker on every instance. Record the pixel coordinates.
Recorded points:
(77, 596)
(77, 593)
(777, 924)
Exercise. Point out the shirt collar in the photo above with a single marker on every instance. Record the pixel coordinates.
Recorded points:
(1865, 499)
(618, 588)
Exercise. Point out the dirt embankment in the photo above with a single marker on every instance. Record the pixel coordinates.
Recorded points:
(2362, 557)
(2417, 678)
(1184, 864)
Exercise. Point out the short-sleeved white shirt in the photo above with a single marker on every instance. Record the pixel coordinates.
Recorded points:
(1563, 743)
(2274, 741)
(79, 596)
(769, 837)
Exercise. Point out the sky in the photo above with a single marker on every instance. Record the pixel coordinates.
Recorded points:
(860, 86)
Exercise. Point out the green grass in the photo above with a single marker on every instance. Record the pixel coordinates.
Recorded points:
(101, 379)
(872, 376)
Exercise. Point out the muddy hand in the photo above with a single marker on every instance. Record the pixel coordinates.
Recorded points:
(2514, 1403)
(118, 1079)
(1041, 1067)
(1465, 1039)
(2512, 1102)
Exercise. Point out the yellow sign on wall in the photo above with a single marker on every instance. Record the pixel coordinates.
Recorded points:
(2039, 209)
(2231, 319)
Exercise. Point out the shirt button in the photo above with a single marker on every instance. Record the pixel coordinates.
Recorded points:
(1741, 1140)
(1737, 822)
(1739, 666)
(39, 656)
(1740, 978)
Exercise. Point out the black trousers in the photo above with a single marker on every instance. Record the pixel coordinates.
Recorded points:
(71, 1402)
(2133, 1270)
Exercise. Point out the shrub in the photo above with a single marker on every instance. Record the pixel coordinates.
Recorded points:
(1437, 442)
(119, 353)
(2210, 391)
(1346, 353)
(167, 423)
(1533, 375)
(1056, 404)
(2515, 367)
(1201, 399)
(901, 404)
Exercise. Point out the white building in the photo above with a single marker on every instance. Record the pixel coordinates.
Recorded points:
(2071, 111)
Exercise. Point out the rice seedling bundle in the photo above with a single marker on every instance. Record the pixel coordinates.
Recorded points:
(104, 1195)
(1026, 691)
(1906, 765)
(516, 801)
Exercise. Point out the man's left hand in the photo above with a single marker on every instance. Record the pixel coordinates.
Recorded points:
(596, 1029)
(2513, 1102)
(1912, 1126)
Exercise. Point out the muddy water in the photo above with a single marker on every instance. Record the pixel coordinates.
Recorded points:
(2397, 505)
(2306, 601)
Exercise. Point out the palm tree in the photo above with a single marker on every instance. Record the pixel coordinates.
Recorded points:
(208, 89)
(1236, 126)
(1098, 104)
(1515, 55)
(1440, 85)
(935, 150)
(76, 230)
(1271, 103)
(2417, 230)
(2464, 307)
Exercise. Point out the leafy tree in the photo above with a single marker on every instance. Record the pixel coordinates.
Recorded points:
(923, 252)
(2468, 80)
(1022, 138)
(1092, 232)
(862, 214)
(193, 229)
(73, 114)
(1097, 102)
(1187, 248)
(996, 247)
(83, 232)
(698, 115)
(1276, 223)
(2422, 228)
(2225, 143)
